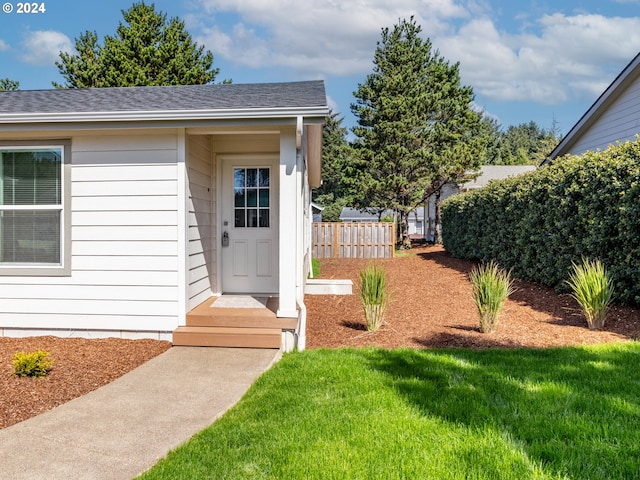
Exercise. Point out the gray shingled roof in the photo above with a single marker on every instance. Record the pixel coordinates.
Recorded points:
(170, 98)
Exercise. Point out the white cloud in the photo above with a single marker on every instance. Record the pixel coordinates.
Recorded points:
(570, 57)
(3, 45)
(550, 58)
(331, 37)
(43, 47)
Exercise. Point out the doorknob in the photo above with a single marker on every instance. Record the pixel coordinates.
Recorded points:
(225, 239)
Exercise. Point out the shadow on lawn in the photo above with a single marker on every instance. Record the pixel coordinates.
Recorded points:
(462, 340)
(573, 410)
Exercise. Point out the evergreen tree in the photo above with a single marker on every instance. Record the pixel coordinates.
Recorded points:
(7, 85)
(416, 130)
(147, 49)
(333, 194)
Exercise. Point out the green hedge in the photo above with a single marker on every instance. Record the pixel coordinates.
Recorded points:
(538, 223)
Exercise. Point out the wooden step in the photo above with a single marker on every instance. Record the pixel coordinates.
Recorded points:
(239, 317)
(228, 337)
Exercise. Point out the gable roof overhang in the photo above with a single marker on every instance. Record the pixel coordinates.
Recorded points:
(628, 75)
(169, 106)
(166, 118)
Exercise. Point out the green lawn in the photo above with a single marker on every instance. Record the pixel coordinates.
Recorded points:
(422, 414)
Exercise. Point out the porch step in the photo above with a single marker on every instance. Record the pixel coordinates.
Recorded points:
(248, 337)
(239, 317)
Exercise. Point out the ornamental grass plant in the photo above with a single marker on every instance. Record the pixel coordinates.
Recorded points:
(374, 295)
(592, 288)
(491, 287)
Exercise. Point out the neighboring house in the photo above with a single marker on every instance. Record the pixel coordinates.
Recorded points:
(416, 218)
(615, 116)
(123, 209)
(317, 212)
(488, 173)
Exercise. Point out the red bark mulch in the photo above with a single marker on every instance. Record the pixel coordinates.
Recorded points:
(80, 366)
(432, 306)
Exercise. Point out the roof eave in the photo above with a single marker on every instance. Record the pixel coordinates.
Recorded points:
(166, 115)
(593, 113)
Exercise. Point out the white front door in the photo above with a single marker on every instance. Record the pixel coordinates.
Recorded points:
(249, 224)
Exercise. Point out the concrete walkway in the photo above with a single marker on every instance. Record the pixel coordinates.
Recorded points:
(125, 427)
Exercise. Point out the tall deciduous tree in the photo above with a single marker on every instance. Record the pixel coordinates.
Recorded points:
(415, 128)
(147, 49)
(7, 85)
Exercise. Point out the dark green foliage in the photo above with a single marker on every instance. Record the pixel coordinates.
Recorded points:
(337, 157)
(8, 85)
(147, 49)
(522, 144)
(416, 130)
(33, 364)
(539, 223)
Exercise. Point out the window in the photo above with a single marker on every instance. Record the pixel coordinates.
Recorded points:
(32, 209)
(251, 197)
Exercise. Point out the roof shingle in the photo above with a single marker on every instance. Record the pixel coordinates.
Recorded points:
(169, 98)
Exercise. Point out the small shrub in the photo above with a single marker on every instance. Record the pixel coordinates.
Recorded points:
(491, 287)
(374, 296)
(33, 364)
(592, 288)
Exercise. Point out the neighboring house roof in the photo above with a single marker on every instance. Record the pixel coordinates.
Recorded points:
(352, 214)
(629, 75)
(164, 103)
(495, 172)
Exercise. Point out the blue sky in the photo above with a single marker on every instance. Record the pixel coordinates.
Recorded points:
(525, 60)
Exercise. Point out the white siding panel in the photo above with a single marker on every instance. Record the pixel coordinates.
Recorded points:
(88, 306)
(73, 292)
(127, 218)
(119, 189)
(123, 279)
(114, 173)
(108, 248)
(108, 233)
(620, 122)
(126, 143)
(198, 274)
(124, 265)
(141, 204)
(125, 158)
(72, 324)
(201, 188)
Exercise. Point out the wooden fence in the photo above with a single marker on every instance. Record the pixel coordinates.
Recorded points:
(353, 239)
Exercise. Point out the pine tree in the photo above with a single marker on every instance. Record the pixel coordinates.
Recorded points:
(147, 49)
(415, 127)
(334, 194)
(7, 85)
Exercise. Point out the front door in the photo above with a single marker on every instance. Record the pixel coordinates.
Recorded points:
(249, 224)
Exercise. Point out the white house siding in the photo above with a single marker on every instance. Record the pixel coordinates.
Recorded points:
(124, 216)
(620, 121)
(430, 210)
(201, 218)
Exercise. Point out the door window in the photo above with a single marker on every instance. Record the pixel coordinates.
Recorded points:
(252, 196)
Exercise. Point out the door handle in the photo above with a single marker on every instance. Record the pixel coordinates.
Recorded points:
(225, 239)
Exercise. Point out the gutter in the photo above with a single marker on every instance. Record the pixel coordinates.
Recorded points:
(164, 115)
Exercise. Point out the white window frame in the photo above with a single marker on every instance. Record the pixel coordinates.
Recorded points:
(63, 267)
